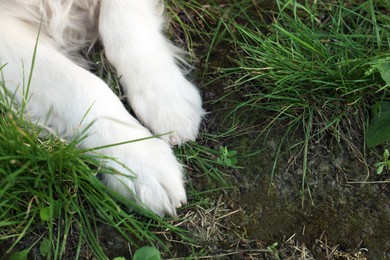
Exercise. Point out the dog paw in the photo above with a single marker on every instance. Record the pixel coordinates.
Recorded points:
(172, 108)
(150, 175)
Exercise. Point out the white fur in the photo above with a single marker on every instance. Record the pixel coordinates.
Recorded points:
(68, 98)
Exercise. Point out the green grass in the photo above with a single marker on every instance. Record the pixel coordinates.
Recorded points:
(305, 64)
(49, 189)
(50, 192)
(51, 183)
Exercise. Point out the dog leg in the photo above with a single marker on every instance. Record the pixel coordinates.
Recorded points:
(70, 99)
(158, 92)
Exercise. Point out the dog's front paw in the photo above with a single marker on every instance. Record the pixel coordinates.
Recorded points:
(178, 114)
(154, 177)
(172, 108)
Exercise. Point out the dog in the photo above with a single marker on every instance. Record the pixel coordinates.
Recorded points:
(40, 42)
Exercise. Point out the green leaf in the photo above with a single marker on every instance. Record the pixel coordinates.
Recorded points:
(233, 161)
(45, 247)
(384, 69)
(378, 164)
(379, 107)
(119, 258)
(147, 253)
(378, 130)
(232, 153)
(228, 162)
(44, 213)
(21, 255)
(386, 154)
(380, 169)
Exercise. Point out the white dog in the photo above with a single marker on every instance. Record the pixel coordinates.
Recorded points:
(66, 97)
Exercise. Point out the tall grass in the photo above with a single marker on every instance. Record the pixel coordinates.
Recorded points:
(45, 181)
(310, 65)
(313, 58)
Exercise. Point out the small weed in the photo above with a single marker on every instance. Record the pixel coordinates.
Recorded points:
(227, 157)
(147, 253)
(207, 160)
(385, 164)
(274, 250)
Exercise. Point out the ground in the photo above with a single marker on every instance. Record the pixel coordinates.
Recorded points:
(342, 214)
